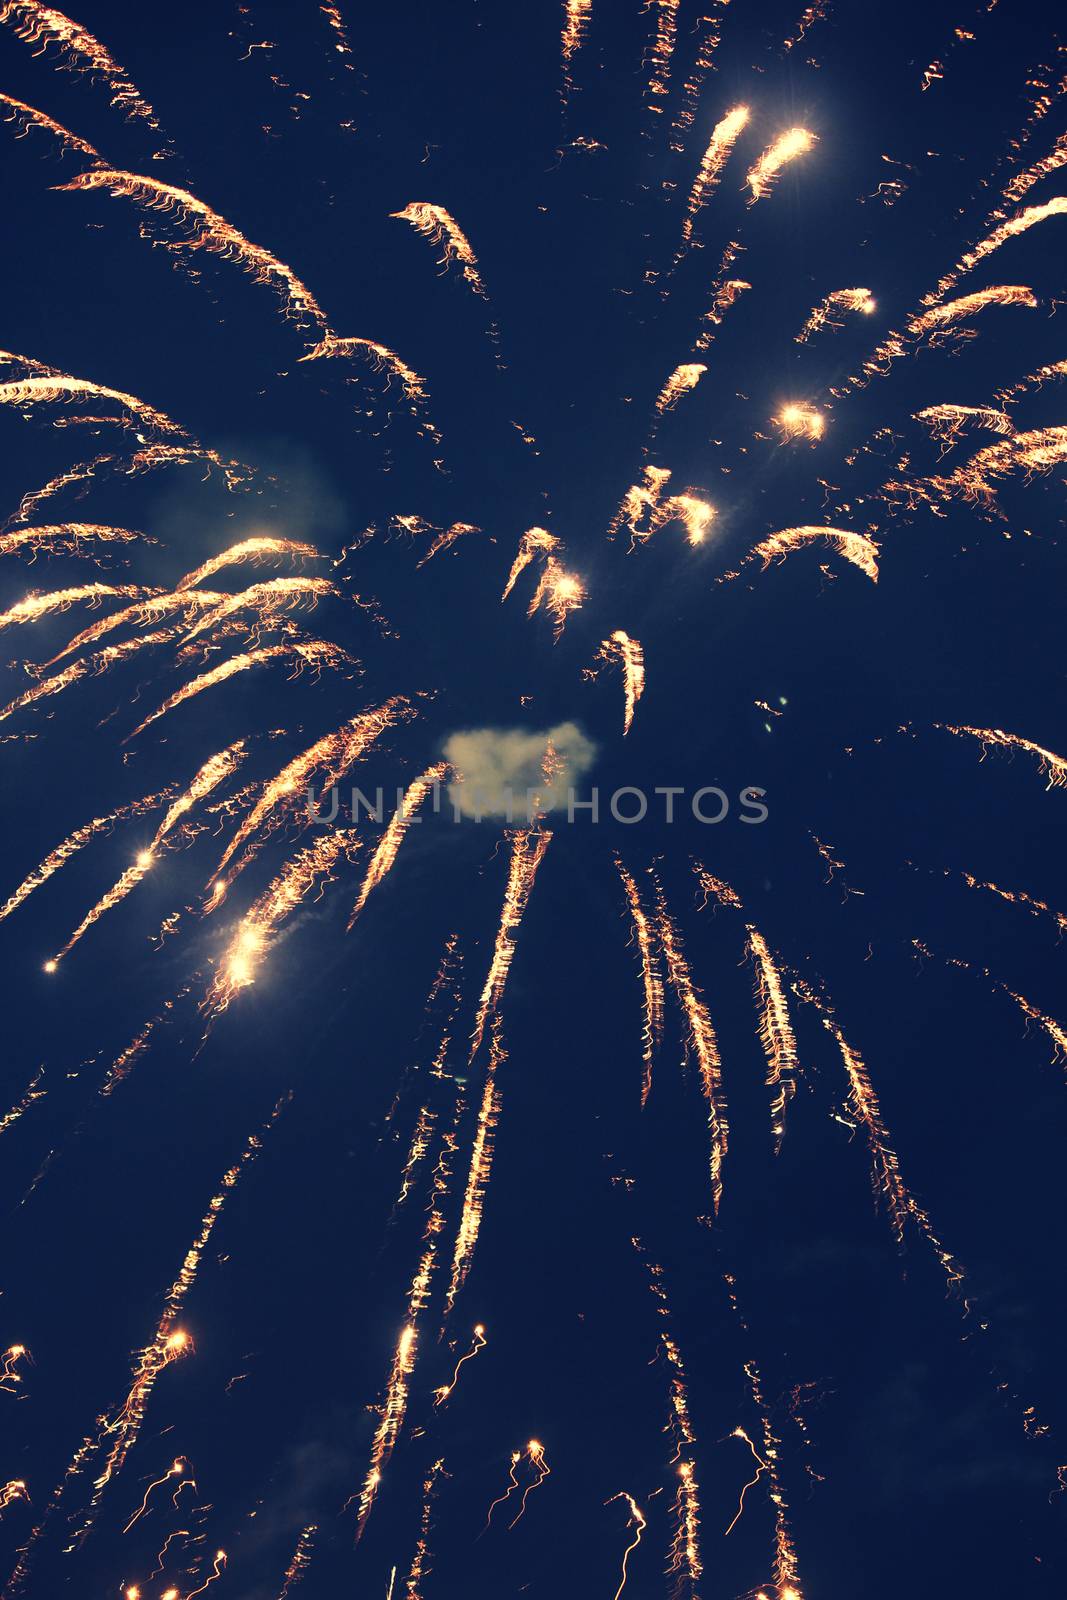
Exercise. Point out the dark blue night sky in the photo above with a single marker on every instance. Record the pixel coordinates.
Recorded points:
(904, 1402)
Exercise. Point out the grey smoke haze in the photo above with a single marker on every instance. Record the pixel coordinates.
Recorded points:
(497, 763)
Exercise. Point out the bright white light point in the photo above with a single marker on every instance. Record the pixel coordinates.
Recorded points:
(50, 966)
(145, 859)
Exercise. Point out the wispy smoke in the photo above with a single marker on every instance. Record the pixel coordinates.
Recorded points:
(497, 768)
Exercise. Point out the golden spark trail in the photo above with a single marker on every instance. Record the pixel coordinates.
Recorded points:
(535, 1452)
(257, 548)
(1014, 897)
(534, 542)
(209, 232)
(146, 460)
(175, 1470)
(696, 515)
(27, 392)
(216, 1572)
(662, 52)
(337, 27)
(976, 480)
(651, 977)
(394, 1408)
(700, 1041)
(1050, 765)
(382, 359)
(710, 33)
(38, 605)
(576, 14)
(775, 1033)
(446, 538)
(478, 1343)
(440, 228)
(124, 1063)
(787, 147)
(385, 855)
(528, 846)
(1021, 223)
(513, 1484)
(420, 1144)
(640, 501)
(256, 930)
(638, 1522)
(855, 547)
(42, 25)
(838, 300)
(481, 1166)
(814, 13)
(683, 379)
(727, 291)
(419, 1569)
(77, 841)
(1055, 1030)
(715, 887)
(152, 610)
(761, 1468)
(33, 1092)
(1035, 380)
(786, 1574)
(269, 598)
(214, 771)
(89, 666)
(723, 138)
(170, 1342)
(969, 305)
(297, 1567)
(334, 753)
(630, 656)
(316, 654)
(29, 117)
(947, 422)
(66, 538)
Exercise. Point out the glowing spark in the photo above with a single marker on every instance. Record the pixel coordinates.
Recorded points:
(761, 178)
(42, 25)
(559, 592)
(716, 888)
(700, 1041)
(381, 358)
(575, 21)
(393, 837)
(947, 422)
(1052, 766)
(535, 1454)
(175, 1470)
(209, 232)
(976, 480)
(513, 1484)
(65, 538)
(440, 228)
(480, 1170)
(723, 138)
(630, 656)
(651, 977)
(297, 1567)
(775, 1033)
(10, 1377)
(146, 460)
(969, 305)
(798, 421)
(446, 538)
(838, 300)
(638, 1522)
(33, 1092)
(1021, 223)
(684, 378)
(270, 599)
(316, 654)
(855, 547)
(814, 13)
(418, 1569)
(478, 1343)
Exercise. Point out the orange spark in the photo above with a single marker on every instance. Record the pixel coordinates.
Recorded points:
(797, 421)
(651, 977)
(216, 1572)
(66, 538)
(1050, 765)
(761, 1468)
(534, 542)
(684, 378)
(37, 605)
(14, 1489)
(297, 1567)
(535, 1454)
(257, 548)
(575, 21)
(838, 300)
(855, 547)
(174, 1470)
(528, 846)
(969, 305)
(27, 117)
(36, 24)
(480, 1170)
